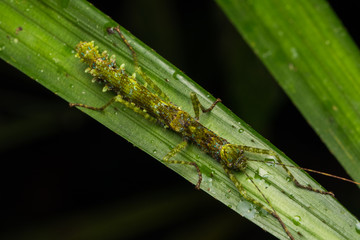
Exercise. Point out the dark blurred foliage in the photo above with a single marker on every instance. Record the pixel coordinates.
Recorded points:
(62, 173)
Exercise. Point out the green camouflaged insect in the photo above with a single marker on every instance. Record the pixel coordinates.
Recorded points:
(157, 106)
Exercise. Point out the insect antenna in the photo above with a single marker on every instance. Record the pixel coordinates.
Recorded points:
(310, 170)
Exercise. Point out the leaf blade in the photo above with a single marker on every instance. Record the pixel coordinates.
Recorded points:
(70, 82)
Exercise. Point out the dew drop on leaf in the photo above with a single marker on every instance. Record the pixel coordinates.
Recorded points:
(357, 227)
(296, 220)
(246, 209)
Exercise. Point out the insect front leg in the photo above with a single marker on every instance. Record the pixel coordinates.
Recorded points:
(173, 152)
(295, 181)
(197, 105)
(277, 158)
(138, 69)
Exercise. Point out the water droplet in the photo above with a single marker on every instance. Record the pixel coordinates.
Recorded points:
(154, 151)
(270, 162)
(208, 181)
(296, 220)
(249, 180)
(263, 173)
(357, 227)
(246, 209)
(227, 195)
(288, 179)
(261, 176)
(292, 67)
(71, 85)
(266, 54)
(241, 130)
(294, 53)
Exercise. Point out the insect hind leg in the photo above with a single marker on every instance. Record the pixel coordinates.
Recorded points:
(173, 152)
(244, 194)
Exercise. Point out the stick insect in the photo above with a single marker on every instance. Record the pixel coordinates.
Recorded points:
(155, 105)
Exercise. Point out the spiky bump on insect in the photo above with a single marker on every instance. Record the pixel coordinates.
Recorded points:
(106, 88)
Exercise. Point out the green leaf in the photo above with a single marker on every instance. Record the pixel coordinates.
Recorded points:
(43, 48)
(313, 58)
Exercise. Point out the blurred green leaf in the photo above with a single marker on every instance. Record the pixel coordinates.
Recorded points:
(313, 58)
